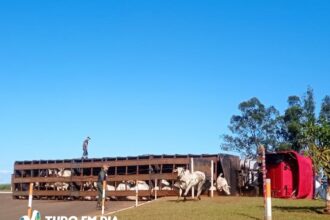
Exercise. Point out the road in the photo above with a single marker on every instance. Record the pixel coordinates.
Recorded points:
(11, 209)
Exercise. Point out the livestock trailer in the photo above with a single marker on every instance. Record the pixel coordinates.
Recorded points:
(149, 168)
(291, 175)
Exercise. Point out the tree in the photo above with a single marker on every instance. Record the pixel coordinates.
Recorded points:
(309, 106)
(325, 109)
(254, 126)
(318, 137)
(293, 122)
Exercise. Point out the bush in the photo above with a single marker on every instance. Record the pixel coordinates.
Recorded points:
(5, 187)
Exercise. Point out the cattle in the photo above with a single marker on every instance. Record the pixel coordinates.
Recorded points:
(187, 180)
(165, 185)
(64, 173)
(61, 186)
(222, 184)
(140, 185)
(111, 188)
(123, 186)
(129, 185)
(181, 186)
(52, 172)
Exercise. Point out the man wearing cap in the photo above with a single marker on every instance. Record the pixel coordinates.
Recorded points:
(101, 177)
(85, 148)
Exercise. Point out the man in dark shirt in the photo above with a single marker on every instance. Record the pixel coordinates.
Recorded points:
(85, 148)
(101, 177)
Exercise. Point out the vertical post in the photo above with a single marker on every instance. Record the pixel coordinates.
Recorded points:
(30, 200)
(103, 195)
(12, 183)
(263, 161)
(136, 193)
(212, 172)
(268, 207)
(156, 189)
(192, 170)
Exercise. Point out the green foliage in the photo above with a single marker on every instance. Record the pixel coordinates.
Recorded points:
(5, 187)
(254, 126)
(318, 140)
(321, 158)
(297, 129)
(293, 123)
(325, 109)
(309, 106)
(296, 117)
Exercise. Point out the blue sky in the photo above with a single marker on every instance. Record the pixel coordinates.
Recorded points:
(148, 77)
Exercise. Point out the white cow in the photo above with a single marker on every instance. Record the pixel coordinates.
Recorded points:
(112, 188)
(52, 172)
(141, 185)
(164, 185)
(64, 173)
(187, 180)
(59, 186)
(125, 186)
(181, 186)
(222, 184)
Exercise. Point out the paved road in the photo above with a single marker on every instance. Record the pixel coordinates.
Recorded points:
(11, 209)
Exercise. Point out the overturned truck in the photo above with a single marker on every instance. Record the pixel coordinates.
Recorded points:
(75, 178)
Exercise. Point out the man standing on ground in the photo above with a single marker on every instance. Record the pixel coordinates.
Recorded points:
(85, 148)
(101, 177)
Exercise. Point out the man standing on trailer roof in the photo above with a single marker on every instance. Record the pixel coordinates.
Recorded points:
(85, 148)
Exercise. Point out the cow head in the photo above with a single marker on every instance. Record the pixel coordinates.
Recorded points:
(164, 182)
(131, 182)
(52, 172)
(226, 189)
(180, 171)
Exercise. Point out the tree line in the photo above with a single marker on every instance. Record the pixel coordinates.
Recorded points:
(299, 128)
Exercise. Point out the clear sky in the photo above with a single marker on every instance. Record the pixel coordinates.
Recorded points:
(148, 77)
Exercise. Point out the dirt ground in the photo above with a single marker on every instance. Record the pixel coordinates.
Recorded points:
(13, 209)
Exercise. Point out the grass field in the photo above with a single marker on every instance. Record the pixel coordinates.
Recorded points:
(4, 187)
(226, 208)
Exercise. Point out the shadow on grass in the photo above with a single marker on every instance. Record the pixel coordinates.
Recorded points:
(183, 201)
(313, 209)
(249, 216)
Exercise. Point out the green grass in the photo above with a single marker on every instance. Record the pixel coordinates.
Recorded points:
(237, 208)
(4, 187)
